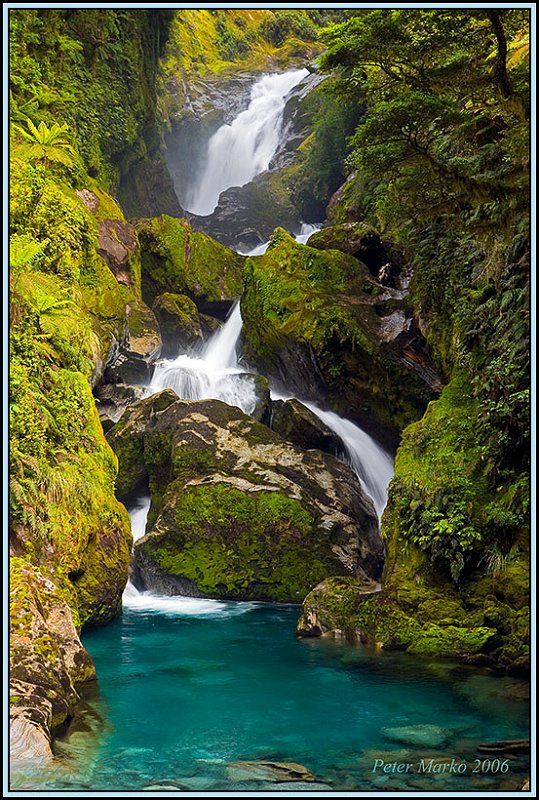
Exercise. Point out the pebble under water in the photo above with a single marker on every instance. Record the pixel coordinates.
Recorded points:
(188, 687)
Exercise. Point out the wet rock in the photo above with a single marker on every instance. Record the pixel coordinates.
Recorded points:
(268, 771)
(247, 215)
(237, 512)
(328, 608)
(330, 330)
(179, 324)
(417, 735)
(508, 746)
(296, 423)
(28, 741)
(47, 661)
(113, 399)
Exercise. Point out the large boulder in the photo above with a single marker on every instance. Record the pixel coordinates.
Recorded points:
(247, 215)
(383, 259)
(355, 340)
(179, 260)
(237, 512)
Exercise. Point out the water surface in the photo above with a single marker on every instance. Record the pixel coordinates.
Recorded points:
(193, 685)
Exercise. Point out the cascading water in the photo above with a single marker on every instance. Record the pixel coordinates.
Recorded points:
(214, 375)
(372, 465)
(243, 149)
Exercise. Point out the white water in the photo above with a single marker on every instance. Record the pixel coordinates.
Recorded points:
(372, 465)
(307, 229)
(243, 149)
(214, 375)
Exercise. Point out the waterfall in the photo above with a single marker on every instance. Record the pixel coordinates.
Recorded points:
(306, 230)
(243, 149)
(215, 374)
(372, 465)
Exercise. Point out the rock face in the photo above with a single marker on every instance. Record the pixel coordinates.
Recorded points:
(395, 619)
(319, 321)
(117, 244)
(47, 661)
(139, 349)
(177, 260)
(237, 512)
(247, 215)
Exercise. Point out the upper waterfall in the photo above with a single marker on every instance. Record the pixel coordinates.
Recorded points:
(243, 149)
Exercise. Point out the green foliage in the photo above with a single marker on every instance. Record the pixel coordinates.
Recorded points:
(441, 164)
(90, 69)
(322, 156)
(47, 144)
(282, 24)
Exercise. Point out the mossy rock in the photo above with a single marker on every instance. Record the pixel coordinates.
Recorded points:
(178, 260)
(48, 663)
(319, 321)
(378, 618)
(297, 423)
(179, 323)
(236, 511)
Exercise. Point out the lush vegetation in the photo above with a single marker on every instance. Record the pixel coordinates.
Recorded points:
(439, 162)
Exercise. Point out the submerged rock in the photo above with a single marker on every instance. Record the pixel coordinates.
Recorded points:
(268, 771)
(237, 512)
(418, 735)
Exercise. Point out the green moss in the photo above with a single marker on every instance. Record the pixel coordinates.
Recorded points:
(237, 544)
(177, 260)
(450, 641)
(324, 300)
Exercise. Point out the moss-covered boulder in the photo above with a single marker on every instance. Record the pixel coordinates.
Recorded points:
(384, 619)
(383, 259)
(237, 512)
(178, 260)
(179, 323)
(320, 320)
